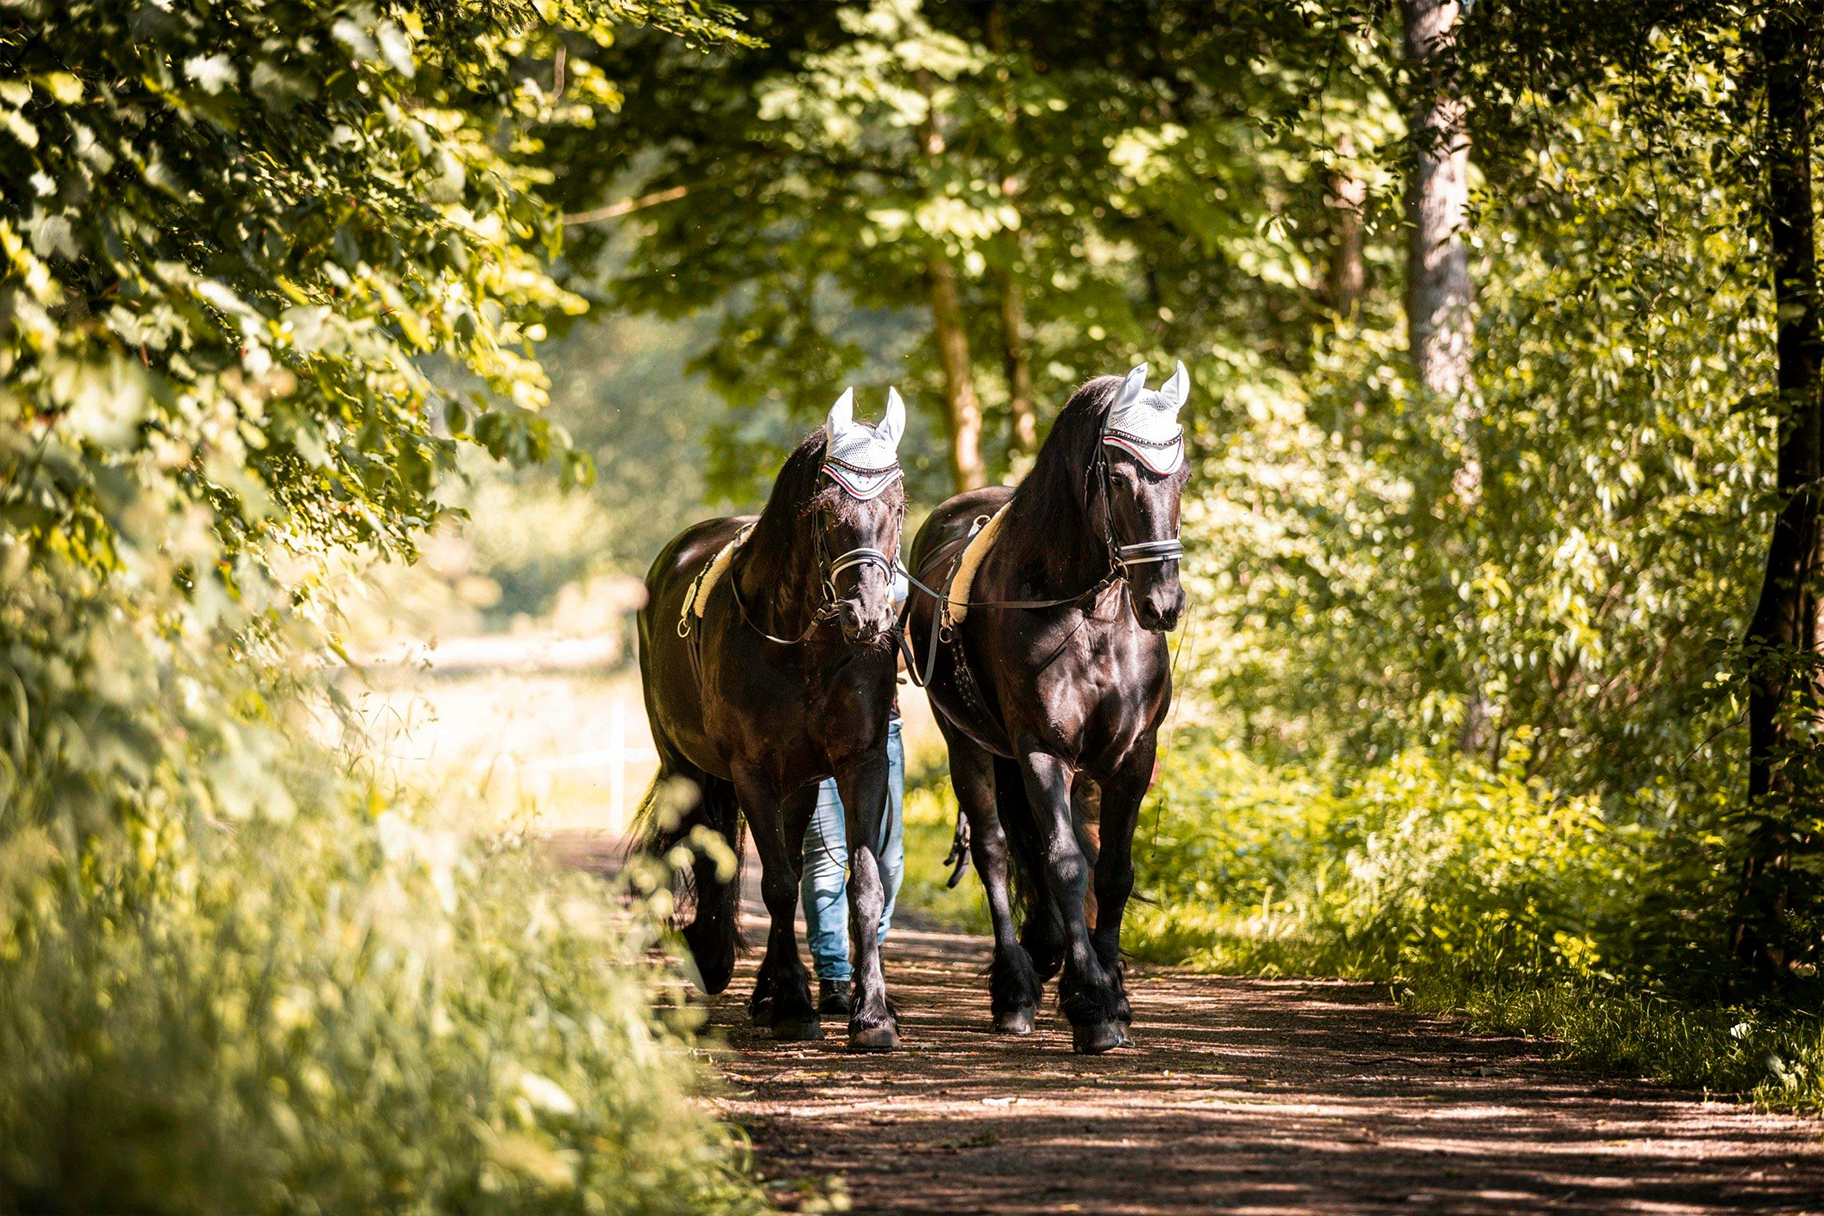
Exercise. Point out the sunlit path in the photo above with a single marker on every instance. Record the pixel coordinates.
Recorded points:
(1246, 1096)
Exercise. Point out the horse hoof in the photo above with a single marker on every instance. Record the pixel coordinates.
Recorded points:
(1016, 1021)
(761, 1016)
(873, 1038)
(798, 1030)
(1094, 1040)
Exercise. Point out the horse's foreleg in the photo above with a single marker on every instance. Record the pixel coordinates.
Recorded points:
(1121, 798)
(782, 993)
(1014, 987)
(863, 786)
(1088, 994)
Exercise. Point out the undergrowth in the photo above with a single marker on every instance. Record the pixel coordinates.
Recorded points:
(1476, 893)
(234, 977)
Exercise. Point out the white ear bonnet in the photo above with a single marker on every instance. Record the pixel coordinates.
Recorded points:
(1144, 422)
(863, 459)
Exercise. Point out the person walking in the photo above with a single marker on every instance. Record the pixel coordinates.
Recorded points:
(824, 881)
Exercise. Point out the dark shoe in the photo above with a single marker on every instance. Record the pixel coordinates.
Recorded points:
(835, 997)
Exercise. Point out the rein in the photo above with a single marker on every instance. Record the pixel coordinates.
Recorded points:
(1120, 557)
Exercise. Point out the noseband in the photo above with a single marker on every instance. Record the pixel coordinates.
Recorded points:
(1145, 552)
(849, 560)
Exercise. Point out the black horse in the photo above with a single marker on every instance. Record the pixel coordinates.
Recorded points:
(1059, 674)
(785, 679)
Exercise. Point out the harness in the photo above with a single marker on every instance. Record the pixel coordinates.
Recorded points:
(1120, 557)
(828, 567)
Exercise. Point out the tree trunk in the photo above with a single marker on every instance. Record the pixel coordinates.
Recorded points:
(962, 408)
(1023, 423)
(1437, 274)
(1783, 636)
(1345, 195)
(1438, 290)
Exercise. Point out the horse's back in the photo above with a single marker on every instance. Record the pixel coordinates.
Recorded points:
(950, 522)
(667, 668)
(680, 561)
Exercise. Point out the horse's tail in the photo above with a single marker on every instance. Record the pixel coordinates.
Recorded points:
(681, 799)
(1041, 925)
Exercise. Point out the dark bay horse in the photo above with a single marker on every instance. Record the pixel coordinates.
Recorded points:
(1058, 675)
(784, 680)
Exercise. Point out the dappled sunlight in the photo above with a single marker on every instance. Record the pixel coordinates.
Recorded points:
(1239, 1095)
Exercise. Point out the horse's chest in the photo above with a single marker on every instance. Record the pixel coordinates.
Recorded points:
(792, 725)
(1099, 694)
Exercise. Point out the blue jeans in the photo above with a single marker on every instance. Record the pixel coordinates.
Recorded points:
(825, 881)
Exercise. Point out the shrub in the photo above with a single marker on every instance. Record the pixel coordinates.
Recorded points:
(234, 979)
(1466, 890)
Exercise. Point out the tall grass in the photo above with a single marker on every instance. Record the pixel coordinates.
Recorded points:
(235, 977)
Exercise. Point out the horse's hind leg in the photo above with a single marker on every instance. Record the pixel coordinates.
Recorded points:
(1014, 987)
(782, 992)
(872, 1026)
(1089, 995)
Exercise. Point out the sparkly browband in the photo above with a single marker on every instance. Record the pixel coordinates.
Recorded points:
(1160, 456)
(861, 484)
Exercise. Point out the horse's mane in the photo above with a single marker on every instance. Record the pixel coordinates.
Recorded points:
(1050, 507)
(770, 547)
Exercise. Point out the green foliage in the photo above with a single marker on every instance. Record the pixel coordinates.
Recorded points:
(233, 979)
(1466, 890)
(1141, 176)
(268, 266)
(1414, 865)
(233, 232)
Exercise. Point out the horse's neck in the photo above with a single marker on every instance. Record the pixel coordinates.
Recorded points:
(777, 581)
(1057, 565)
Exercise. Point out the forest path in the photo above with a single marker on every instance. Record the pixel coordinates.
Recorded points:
(1245, 1096)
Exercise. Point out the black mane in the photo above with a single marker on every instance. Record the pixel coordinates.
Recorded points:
(1050, 508)
(776, 532)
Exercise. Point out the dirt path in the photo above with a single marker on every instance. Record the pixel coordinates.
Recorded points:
(1238, 1096)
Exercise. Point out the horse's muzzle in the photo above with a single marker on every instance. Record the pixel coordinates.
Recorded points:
(861, 626)
(1159, 606)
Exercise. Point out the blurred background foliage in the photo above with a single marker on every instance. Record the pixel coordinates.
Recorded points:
(323, 323)
(269, 269)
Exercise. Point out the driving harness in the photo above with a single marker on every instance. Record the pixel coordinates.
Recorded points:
(1163, 457)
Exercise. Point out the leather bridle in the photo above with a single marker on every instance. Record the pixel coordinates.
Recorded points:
(828, 568)
(1120, 558)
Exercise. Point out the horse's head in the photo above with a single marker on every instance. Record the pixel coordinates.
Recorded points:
(1144, 471)
(857, 517)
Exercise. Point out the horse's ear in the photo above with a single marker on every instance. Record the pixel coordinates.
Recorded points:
(842, 414)
(894, 424)
(1132, 387)
(1177, 390)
